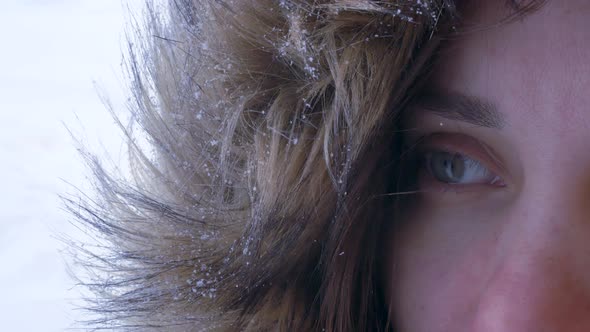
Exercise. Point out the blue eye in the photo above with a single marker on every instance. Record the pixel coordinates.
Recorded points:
(456, 168)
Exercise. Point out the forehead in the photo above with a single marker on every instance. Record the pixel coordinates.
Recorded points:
(538, 65)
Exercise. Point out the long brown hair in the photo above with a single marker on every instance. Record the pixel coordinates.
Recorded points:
(259, 202)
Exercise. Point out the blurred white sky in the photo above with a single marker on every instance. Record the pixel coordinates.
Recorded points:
(51, 53)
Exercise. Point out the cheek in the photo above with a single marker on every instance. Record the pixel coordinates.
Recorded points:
(435, 266)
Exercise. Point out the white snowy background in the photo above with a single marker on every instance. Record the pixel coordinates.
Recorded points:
(53, 54)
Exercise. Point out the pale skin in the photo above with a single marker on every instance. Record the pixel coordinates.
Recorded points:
(505, 244)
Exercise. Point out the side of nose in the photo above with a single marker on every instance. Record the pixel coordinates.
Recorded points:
(540, 276)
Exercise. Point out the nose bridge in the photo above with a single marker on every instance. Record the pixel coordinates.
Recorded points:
(553, 201)
(541, 273)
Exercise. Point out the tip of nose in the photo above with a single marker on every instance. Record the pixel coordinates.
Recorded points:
(497, 317)
(528, 310)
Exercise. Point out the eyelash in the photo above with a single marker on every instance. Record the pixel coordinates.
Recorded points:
(472, 154)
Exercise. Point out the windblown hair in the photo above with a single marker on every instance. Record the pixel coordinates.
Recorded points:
(260, 202)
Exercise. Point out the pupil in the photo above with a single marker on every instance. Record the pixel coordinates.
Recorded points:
(457, 167)
(448, 167)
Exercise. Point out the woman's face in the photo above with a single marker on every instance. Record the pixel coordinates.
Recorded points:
(499, 237)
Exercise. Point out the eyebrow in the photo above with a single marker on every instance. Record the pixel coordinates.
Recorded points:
(458, 107)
